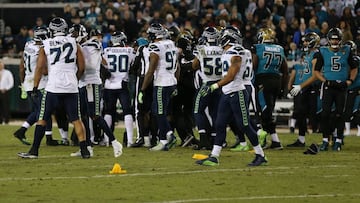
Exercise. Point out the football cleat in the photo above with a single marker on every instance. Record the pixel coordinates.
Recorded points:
(27, 155)
(160, 147)
(258, 161)
(117, 146)
(324, 146)
(297, 143)
(210, 161)
(240, 148)
(20, 134)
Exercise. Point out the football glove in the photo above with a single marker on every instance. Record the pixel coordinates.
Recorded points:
(208, 89)
(140, 97)
(35, 93)
(23, 92)
(295, 90)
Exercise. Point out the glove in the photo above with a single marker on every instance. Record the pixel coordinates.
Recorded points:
(289, 96)
(295, 90)
(140, 97)
(208, 89)
(23, 92)
(35, 93)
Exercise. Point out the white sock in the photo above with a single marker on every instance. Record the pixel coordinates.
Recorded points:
(146, 140)
(274, 137)
(26, 125)
(259, 150)
(292, 122)
(326, 139)
(347, 126)
(338, 140)
(301, 138)
(91, 129)
(48, 132)
(164, 142)
(64, 134)
(128, 120)
(108, 120)
(216, 150)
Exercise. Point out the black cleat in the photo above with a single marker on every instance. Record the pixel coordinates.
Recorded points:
(297, 143)
(51, 142)
(258, 161)
(20, 134)
(138, 143)
(274, 145)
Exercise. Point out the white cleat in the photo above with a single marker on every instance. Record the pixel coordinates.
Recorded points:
(117, 146)
(78, 153)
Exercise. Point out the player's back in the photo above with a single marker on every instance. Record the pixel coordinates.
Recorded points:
(62, 64)
(270, 57)
(237, 83)
(165, 72)
(118, 61)
(31, 53)
(92, 54)
(210, 62)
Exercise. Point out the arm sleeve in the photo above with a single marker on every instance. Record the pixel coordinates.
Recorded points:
(319, 62)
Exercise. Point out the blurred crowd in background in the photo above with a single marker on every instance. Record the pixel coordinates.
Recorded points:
(291, 19)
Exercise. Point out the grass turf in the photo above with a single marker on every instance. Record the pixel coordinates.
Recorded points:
(172, 176)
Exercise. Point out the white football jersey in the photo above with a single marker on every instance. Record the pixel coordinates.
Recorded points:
(210, 62)
(237, 83)
(92, 54)
(31, 54)
(118, 61)
(62, 67)
(164, 74)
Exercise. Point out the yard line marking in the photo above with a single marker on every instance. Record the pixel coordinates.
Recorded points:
(260, 197)
(156, 173)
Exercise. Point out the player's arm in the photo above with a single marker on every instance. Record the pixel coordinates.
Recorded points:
(154, 60)
(233, 70)
(41, 66)
(80, 62)
(353, 69)
(291, 78)
(195, 64)
(318, 67)
(285, 74)
(22, 70)
(313, 78)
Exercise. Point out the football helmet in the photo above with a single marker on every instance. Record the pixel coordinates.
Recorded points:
(334, 33)
(118, 38)
(157, 31)
(211, 36)
(174, 32)
(79, 32)
(230, 35)
(265, 35)
(352, 46)
(312, 39)
(95, 32)
(40, 33)
(58, 27)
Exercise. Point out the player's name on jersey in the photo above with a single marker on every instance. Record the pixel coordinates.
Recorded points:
(117, 50)
(275, 49)
(55, 43)
(213, 52)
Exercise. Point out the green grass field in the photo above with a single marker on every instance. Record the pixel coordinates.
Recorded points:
(172, 176)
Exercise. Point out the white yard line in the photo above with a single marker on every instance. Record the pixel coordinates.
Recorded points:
(272, 169)
(261, 197)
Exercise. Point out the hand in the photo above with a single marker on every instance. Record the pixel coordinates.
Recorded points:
(295, 90)
(35, 93)
(140, 97)
(23, 92)
(208, 89)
